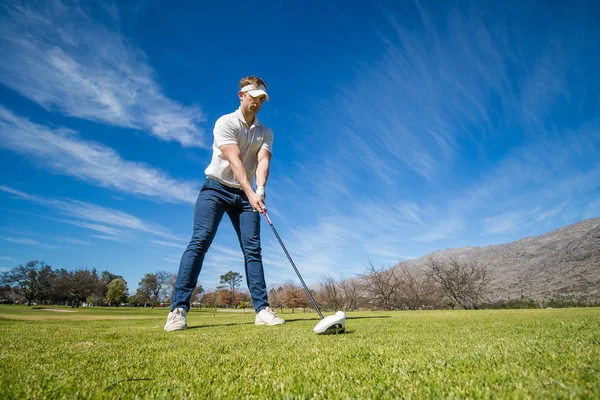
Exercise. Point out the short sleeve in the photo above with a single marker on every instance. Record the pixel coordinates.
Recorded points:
(268, 141)
(225, 132)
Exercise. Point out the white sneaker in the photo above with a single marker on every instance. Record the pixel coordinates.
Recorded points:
(176, 320)
(267, 316)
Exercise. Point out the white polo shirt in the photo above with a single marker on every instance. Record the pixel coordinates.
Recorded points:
(232, 129)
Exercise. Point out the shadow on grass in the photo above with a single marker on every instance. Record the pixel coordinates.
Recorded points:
(218, 325)
(347, 332)
(286, 321)
(347, 318)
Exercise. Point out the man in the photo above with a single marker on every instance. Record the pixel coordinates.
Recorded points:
(241, 152)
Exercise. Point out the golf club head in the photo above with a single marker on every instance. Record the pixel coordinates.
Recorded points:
(331, 325)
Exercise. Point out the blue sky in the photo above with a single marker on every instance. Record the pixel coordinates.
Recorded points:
(401, 128)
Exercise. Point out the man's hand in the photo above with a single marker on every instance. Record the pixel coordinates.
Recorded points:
(256, 202)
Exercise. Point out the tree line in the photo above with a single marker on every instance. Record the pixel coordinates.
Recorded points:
(38, 283)
(440, 283)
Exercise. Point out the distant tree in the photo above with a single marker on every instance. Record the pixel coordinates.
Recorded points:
(146, 289)
(81, 284)
(419, 291)
(153, 284)
(225, 298)
(163, 278)
(330, 293)
(75, 287)
(232, 279)
(117, 291)
(169, 287)
(6, 294)
(243, 297)
(293, 296)
(59, 287)
(208, 299)
(197, 295)
(95, 299)
(107, 277)
(140, 297)
(272, 295)
(462, 281)
(30, 280)
(351, 293)
(381, 287)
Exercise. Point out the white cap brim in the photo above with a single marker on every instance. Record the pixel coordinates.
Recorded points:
(256, 91)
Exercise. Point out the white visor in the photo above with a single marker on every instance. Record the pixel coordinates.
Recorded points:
(255, 91)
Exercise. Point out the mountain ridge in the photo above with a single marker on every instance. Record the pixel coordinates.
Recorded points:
(562, 264)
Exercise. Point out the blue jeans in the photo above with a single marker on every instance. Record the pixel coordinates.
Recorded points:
(214, 200)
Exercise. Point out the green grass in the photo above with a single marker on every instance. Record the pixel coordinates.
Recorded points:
(124, 353)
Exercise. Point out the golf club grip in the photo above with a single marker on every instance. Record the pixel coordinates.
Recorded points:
(294, 265)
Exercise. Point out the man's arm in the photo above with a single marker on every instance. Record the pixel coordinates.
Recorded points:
(262, 169)
(233, 154)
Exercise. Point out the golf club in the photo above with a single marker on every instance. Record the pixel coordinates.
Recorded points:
(334, 323)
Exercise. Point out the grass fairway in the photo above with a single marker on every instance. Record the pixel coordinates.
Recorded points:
(124, 353)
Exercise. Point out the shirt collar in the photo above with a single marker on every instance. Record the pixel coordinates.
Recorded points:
(240, 116)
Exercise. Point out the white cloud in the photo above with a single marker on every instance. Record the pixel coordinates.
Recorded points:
(58, 56)
(95, 217)
(28, 242)
(548, 174)
(551, 212)
(441, 230)
(226, 251)
(74, 241)
(110, 238)
(9, 259)
(422, 96)
(544, 87)
(504, 223)
(62, 151)
(169, 244)
(95, 227)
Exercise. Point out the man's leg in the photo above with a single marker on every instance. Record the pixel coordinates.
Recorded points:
(246, 223)
(207, 216)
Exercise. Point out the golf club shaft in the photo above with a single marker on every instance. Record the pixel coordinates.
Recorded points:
(293, 265)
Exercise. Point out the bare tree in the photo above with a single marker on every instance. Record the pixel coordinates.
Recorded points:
(344, 294)
(381, 287)
(30, 280)
(208, 298)
(276, 298)
(351, 293)
(331, 294)
(463, 282)
(418, 290)
(224, 297)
